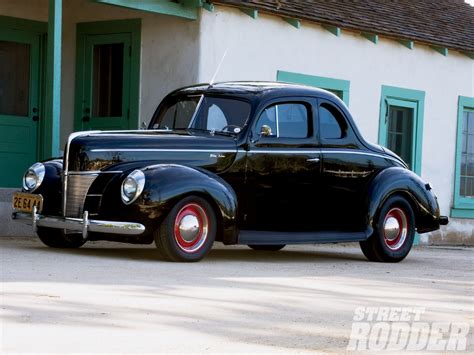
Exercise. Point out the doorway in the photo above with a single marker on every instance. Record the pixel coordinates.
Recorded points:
(107, 76)
(401, 124)
(19, 103)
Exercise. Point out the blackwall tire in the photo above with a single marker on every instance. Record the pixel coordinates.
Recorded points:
(394, 232)
(188, 231)
(55, 238)
(267, 247)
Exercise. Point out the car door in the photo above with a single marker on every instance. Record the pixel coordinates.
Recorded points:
(19, 103)
(283, 167)
(346, 169)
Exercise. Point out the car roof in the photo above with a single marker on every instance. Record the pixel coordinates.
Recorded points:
(260, 88)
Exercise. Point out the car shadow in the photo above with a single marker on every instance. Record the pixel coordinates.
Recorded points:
(220, 254)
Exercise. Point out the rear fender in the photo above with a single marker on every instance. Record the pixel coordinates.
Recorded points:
(403, 182)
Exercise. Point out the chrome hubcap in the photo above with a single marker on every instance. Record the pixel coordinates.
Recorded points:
(392, 228)
(189, 227)
(395, 228)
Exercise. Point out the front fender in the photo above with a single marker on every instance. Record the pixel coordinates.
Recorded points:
(396, 180)
(166, 184)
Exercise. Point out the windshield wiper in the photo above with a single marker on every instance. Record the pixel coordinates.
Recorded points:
(223, 133)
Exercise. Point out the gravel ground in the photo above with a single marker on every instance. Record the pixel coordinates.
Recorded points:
(108, 297)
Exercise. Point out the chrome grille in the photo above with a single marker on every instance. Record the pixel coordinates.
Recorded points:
(77, 188)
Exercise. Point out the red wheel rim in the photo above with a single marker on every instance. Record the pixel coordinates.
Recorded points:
(395, 228)
(191, 228)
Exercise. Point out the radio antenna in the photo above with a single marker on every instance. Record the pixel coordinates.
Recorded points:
(218, 68)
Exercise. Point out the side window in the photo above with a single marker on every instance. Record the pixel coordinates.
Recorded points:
(289, 120)
(332, 123)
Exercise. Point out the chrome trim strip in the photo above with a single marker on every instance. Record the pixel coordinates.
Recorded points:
(359, 153)
(94, 172)
(165, 150)
(294, 151)
(80, 225)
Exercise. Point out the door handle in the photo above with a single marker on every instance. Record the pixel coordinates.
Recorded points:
(35, 118)
(86, 119)
(313, 160)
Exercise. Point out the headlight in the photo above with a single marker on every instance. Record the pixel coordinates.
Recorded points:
(33, 177)
(132, 186)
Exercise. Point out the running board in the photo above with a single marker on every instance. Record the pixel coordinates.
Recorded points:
(271, 238)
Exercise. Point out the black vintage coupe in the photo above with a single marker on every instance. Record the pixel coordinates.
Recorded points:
(261, 164)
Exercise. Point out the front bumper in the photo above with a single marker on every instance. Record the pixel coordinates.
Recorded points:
(84, 225)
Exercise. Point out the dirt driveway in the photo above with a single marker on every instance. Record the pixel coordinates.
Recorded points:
(108, 297)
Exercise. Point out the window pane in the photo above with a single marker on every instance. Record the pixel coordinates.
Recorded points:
(14, 78)
(329, 124)
(107, 83)
(292, 121)
(178, 115)
(467, 156)
(285, 120)
(222, 114)
(215, 114)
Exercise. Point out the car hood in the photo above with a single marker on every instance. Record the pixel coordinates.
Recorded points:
(98, 151)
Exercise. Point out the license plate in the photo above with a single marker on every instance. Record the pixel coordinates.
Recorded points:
(25, 202)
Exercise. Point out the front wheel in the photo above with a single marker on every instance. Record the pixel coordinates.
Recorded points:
(394, 232)
(56, 238)
(188, 231)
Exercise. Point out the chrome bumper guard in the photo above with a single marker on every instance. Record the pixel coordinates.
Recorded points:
(84, 225)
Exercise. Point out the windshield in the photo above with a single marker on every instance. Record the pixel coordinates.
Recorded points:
(215, 114)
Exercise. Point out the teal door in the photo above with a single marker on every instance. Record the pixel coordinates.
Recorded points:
(105, 97)
(19, 104)
(400, 131)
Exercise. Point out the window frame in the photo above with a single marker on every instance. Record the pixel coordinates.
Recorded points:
(463, 207)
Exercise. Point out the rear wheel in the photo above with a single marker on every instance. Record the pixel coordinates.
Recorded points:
(188, 232)
(394, 232)
(56, 238)
(267, 247)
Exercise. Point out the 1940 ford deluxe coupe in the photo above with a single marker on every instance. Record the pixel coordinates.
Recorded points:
(261, 164)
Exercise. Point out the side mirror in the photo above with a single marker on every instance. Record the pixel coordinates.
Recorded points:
(265, 131)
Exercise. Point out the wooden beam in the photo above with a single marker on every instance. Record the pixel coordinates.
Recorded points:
(53, 80)
(253, 13)
(407, 43)
(184, 8)
(442, 50)
(292, 21)
(371, 37)
(336, 31)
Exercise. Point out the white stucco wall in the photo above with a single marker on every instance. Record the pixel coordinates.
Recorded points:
(257, 49)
